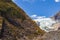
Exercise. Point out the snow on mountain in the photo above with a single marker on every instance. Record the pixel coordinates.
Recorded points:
(44, 23)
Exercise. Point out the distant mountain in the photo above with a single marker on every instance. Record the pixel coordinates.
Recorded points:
(53, 35)
(49, 24)
(56, 17)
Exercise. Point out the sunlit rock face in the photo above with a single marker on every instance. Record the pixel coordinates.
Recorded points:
(46, 24)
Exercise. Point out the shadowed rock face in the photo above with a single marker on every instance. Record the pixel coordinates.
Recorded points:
(57, 17)
(16, 25)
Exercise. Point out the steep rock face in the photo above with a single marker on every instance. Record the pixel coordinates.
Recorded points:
(16, 24)
(57, 17)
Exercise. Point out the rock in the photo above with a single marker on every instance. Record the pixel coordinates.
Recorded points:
(16, 24)
(53, 35)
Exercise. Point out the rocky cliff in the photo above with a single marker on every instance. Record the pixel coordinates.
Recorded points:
(15, 24)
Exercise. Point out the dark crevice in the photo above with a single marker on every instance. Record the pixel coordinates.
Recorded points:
(13, 22)
(2, 30)
(10, 20)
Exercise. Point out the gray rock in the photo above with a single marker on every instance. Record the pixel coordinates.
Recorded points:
(54, 35)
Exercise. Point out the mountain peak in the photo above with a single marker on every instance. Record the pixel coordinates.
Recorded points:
(57, 16)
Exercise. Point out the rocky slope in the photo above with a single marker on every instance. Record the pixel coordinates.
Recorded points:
(53, 35)
(16, 25)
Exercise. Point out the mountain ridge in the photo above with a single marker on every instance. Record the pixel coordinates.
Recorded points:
(16, 24)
